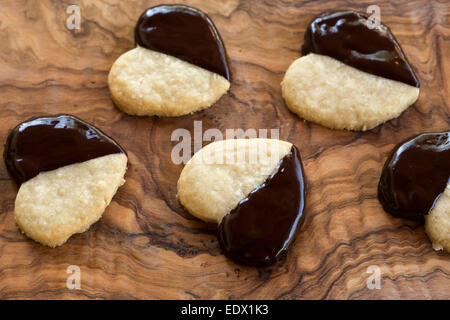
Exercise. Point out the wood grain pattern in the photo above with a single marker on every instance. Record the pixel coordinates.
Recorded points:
(146, 246)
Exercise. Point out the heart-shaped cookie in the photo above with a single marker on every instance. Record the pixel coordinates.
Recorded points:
(415, 184)
(254, 189)
(67, 171)
(178, 67)
(353, 74)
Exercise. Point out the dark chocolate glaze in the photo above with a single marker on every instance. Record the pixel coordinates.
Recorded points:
(345, 36)
(261, 228)
(415, 175)
(47, 143)
(185, 33)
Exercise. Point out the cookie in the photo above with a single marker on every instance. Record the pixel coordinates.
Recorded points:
(350, 76)
(254, 189)
(178, 67)
(67, 171)
(437, 222)
(414, 184)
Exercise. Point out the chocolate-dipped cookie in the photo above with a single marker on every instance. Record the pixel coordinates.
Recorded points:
(254, 189)
(67, 172)
(352, 75)
(179, 65)
(414, 184)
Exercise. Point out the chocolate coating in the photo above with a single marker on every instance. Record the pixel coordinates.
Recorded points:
(261, 228)
(185, 33)
(47, 143)
(415, 175)
(346, 37)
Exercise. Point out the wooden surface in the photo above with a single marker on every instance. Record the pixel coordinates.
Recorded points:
(146, 246)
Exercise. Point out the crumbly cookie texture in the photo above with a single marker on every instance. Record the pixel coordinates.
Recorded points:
(326, 91)
(56, 204)
(144, 82)
(437, 222)
(223, 173)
